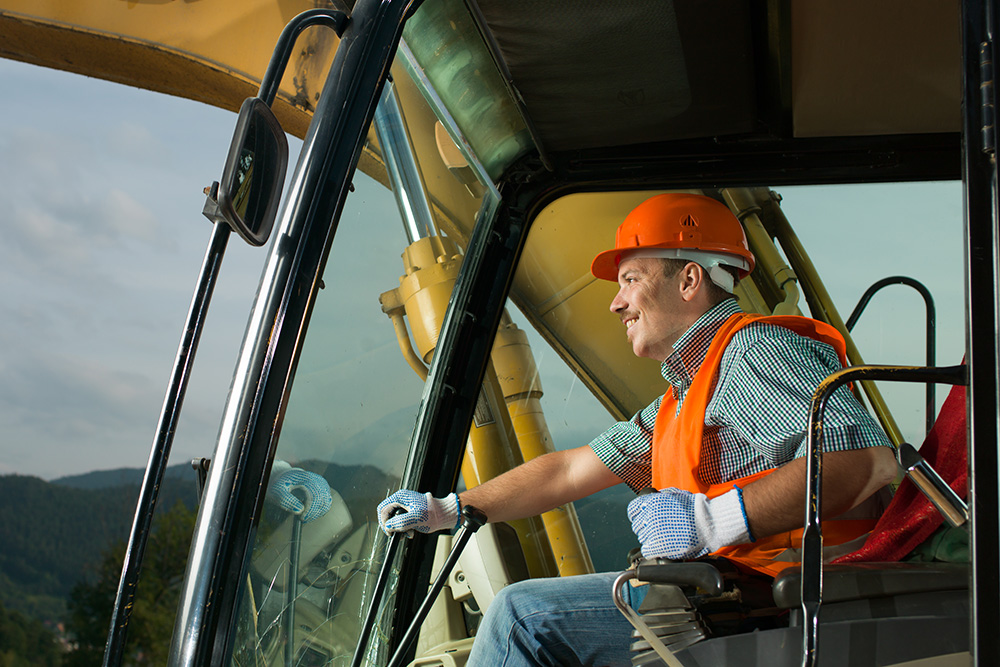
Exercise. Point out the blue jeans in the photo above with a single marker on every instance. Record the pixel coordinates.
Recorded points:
(557, 622)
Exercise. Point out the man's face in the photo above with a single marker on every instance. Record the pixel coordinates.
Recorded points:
(649, 305)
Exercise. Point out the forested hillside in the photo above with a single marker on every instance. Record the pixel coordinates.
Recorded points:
(61, 547)
(26, 642)
(52, 534)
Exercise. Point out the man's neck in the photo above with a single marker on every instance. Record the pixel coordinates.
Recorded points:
(690, 348)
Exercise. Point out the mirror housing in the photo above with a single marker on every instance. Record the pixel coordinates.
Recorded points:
(254, 174)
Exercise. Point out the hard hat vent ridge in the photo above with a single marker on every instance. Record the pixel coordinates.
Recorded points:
(689, 221)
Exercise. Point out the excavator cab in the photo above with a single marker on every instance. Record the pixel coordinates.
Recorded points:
(427, 271)
(496, 209)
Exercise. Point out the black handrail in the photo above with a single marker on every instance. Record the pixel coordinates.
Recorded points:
(173, 401)
(930, 326)
(160, 452)
(812, 536)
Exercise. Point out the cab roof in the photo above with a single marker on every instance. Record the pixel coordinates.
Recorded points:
(599, 84)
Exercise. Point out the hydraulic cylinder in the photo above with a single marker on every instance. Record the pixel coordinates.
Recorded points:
(431, 266)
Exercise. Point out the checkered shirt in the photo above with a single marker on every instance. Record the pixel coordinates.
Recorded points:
(757, 417)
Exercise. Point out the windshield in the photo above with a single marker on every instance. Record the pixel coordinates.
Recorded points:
(345, 433)
(347, 423)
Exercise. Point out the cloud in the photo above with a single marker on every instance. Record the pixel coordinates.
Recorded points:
(134, 141)
(124, 217)
(100, 211)
(46, 240)
(54, 384)
(62, 414)
(57, 215)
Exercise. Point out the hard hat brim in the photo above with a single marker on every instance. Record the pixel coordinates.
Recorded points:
(605, 265)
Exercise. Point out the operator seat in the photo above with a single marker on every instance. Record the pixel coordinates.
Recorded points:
(875, 608)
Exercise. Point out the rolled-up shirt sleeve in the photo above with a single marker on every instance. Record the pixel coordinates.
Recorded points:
(626, 447)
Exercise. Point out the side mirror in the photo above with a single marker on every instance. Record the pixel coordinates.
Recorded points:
(254, 174)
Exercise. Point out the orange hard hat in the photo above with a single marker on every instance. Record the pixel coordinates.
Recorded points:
(684, 226)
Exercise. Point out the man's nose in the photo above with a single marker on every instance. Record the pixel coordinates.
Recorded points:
(618, 303)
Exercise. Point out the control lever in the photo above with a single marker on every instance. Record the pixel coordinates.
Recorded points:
(292, 585)
(472, 520)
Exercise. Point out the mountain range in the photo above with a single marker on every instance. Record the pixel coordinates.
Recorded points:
(54, 533)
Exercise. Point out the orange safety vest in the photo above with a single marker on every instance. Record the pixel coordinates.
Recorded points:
(677, 444)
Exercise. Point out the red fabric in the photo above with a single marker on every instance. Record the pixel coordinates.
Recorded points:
(911, 518)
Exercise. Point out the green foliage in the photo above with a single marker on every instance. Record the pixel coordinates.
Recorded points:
(30, 601)
(92, 600)
(63, 547)
(52, 532)
(25, 642)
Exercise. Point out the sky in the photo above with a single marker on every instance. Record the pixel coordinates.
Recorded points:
(103, 237)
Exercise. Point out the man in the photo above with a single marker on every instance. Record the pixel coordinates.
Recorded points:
(723, 447)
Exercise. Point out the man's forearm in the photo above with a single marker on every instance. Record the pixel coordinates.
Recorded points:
(540, 485)
(776, 503)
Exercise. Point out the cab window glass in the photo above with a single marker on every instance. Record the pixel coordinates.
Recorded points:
(347, 425)
(345, 433)
(857, 235)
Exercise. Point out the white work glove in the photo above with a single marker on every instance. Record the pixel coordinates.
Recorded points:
(677, 524)
(285, 480)
(424, 513)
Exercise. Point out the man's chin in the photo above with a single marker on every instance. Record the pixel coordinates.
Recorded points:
(646, 352)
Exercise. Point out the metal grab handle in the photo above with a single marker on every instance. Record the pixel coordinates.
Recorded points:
(954, 510)
(930, 326)
(812, 536)
(616, 593)
(331, 18)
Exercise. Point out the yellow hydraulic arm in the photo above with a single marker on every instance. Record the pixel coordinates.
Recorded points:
(508, 427)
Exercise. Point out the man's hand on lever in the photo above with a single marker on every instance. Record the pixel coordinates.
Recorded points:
(676, 524)
(422, 512)
(534, 487)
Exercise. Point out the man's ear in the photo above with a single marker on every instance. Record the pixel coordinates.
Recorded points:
(692, 279)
